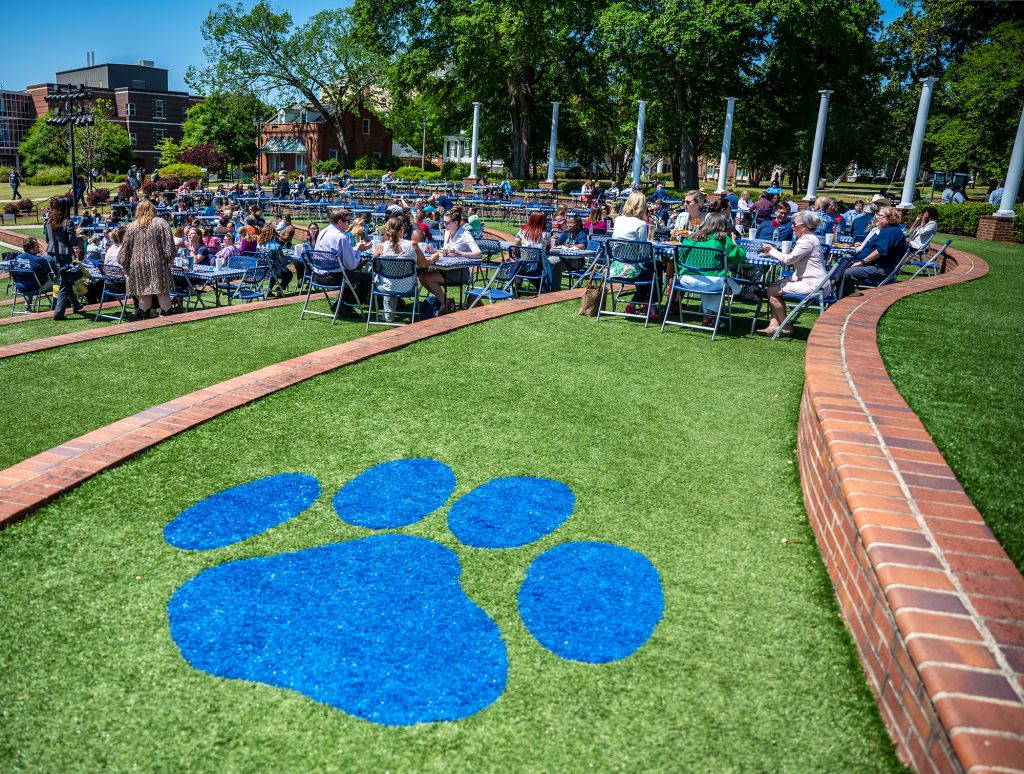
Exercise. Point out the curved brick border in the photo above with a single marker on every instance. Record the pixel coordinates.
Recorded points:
(34, 482)
(935, 606)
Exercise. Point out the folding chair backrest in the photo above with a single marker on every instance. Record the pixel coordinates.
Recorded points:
(531, 261)
(27, 281)
(861, 226)
(323, 261)
(489, 247)
(694, 259)
(507, 271)
(393, 267)
(897, 269)
(629, 252)
(113, 276)
(241, 262)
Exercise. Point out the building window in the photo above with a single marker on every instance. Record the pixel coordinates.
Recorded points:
(158, 108)
(133, 139)
(138, 84)
(2, 106)
(159, 135)
(129, 108)
(5, 134)
(300, 163)
(334, 154)
(366, 126)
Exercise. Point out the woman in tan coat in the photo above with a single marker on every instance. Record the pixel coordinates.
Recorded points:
(146, 255)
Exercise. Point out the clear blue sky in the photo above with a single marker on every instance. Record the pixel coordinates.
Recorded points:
(168, 33)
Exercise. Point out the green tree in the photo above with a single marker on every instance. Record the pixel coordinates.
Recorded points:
(225, 120)
(512, 56)
(105, 144)
(936, 38)
(169, 151)
(42, 147)
(777, 115)
(259, 51)
(687, 56)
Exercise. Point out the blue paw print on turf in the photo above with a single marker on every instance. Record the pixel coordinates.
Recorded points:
(380, 627)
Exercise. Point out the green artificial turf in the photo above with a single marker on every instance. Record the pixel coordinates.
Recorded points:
(29, 330)
(957, 356)
(59, 394)
(675, 446)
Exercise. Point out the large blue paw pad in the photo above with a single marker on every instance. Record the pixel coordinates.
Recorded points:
(380, 627)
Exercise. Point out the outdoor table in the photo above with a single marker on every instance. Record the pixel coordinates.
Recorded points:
(574, 260)
(203, 276)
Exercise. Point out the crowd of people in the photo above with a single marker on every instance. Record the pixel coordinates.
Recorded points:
(192, 228)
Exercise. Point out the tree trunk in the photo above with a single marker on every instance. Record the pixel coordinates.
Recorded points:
(338, 125)
(687, 176)
(676, 176)
(520, 110)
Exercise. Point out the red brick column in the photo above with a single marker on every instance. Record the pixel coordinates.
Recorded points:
(934, 605)
(995, 229)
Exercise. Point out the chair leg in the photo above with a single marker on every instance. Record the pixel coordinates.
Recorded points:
(668, 307)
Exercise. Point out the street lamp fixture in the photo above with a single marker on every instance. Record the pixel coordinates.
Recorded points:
(70, 111)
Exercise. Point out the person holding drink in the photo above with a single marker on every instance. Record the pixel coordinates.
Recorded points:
(808, 270)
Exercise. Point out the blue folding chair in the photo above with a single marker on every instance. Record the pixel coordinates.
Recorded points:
(818, 294)
(925, 265)
(632, 255)
(532, 268)
(394, 277)
(253, 284)
(326, 274)
(31, 287)
(499, 287)
(113, 289)
(709, 264)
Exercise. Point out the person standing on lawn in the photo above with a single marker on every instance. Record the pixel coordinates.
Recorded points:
(15, 181)
(146, 255)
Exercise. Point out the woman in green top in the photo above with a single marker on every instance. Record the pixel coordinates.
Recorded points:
(714, 232)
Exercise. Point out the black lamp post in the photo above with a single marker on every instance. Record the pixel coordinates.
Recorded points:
(258, 125)
(70, 111)
(423, 151)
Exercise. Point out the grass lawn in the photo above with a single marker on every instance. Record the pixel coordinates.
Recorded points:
(683, 451)
(62, 393)
(957, 356)
(36, 192)
(39, 329)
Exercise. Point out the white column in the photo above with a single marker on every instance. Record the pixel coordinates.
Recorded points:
(723, 173)
(819, 143)
(914, 161)
(476, 138)
(553, 144)
(1012, 183)
(638, 151)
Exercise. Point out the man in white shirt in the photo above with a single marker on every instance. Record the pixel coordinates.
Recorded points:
(335, 239)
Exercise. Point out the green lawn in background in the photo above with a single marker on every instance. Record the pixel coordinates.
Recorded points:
(957, 356)
(62, 393)
(676, 447)
(30, 330)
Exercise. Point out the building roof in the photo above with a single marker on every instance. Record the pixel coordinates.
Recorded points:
(284, 145)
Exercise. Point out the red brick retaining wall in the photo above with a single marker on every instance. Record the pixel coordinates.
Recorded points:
(935, 606)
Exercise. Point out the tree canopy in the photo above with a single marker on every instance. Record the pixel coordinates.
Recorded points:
(225, 120)
(105, 144)
(261, 52)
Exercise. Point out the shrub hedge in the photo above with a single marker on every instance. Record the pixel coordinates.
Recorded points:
(50, 176)
(182, 171)
(97, 197)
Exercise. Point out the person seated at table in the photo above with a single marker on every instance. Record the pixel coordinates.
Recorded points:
(110, 257)
(300, 188)
(632, 226)
(227, 251)
(246, 242)
(335, 239)
(195, 248)
(211, 240)
(774, 189)
(105, 238)
(586, 190)
(209, 210)
(744, 204)
(475, 223)
(856, 210)
(714, 232)
(574, 235)
(394, 244)
(595, 222)
(763, 208)
(224, 226)
(458, 242)
(93, 251)
(779, 228)
(268, 247)
(283, 189)
(808, 270)
(689, 219)
(419, 221)
(734, 200)
(879, 254)
(31, 259)
(506, 189)
(560, 220)
(286, 232)
(923, 229)
(659, 194)
(613, 191)
(863, 225)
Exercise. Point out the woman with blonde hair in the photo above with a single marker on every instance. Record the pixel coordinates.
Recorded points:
(146, 255)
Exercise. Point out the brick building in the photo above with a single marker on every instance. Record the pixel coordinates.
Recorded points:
(297, 137)
(17, 113)
(143, 105)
